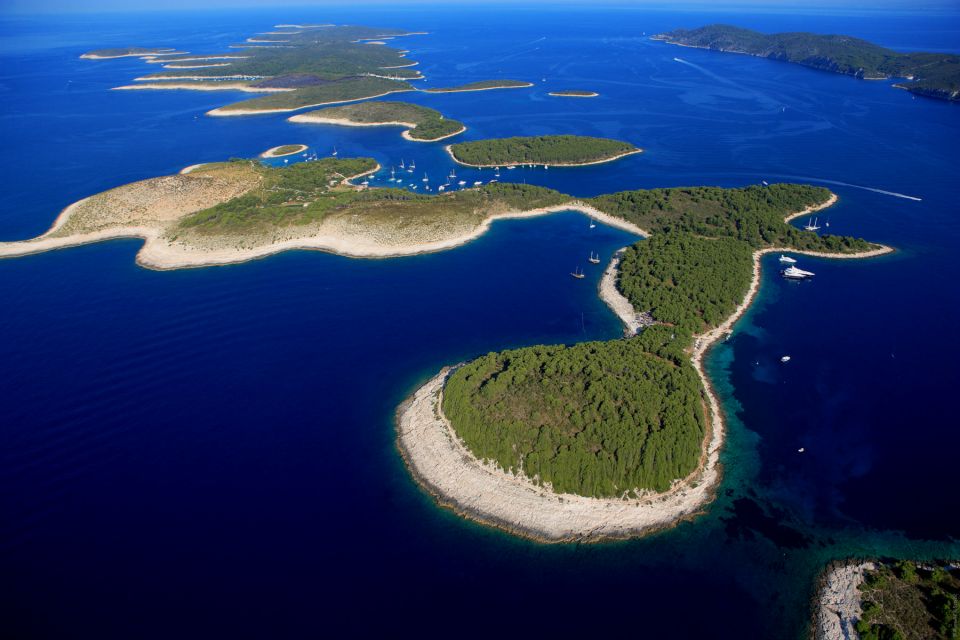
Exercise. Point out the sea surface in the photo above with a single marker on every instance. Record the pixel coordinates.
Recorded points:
(210, 452)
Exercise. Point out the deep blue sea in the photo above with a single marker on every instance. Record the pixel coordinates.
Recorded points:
(210, 452)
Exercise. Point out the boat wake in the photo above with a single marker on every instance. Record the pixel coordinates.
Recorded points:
(855, 186)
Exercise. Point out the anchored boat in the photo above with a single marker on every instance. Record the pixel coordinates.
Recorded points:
(792, 273)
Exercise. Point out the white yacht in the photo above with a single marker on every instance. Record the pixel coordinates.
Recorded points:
(787, 259)
(792, 273)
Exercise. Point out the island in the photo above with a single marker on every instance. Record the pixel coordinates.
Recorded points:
(128, 52)
(553, 151)
(315, 66)
(880, 600)
(284, 150)
(348, 90)
(482, 85)
(614, 439)
(934, 75)
(573, 93)
(423, 124)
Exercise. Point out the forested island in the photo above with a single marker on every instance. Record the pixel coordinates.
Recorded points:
(313, 67)
(423, 124)
(127, 52)
(284, 150)
(935, 75)
(573, 93)
(482, 85)
(564, 150)
(346, 90)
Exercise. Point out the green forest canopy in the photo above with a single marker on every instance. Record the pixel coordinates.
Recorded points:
(564, 149)
(346, 90)
(596, 419)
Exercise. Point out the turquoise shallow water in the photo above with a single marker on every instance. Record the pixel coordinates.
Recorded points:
(210, 452)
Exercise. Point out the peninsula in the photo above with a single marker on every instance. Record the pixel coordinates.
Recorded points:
(613, 439)
(483, 85)
(934, 75)
(554, 151)
(573, 93)
(422, 124)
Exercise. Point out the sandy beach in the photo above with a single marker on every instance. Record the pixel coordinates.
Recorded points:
(449, 151)
(557, 94)
(310, 118)
(196, 66)
(384, 76)
(198, 86)
(617, 302)
(477, 490)
(197, 59)
(402, 66)
(152, 54)
(441, 90)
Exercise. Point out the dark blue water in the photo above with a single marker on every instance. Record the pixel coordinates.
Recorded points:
(211, 452)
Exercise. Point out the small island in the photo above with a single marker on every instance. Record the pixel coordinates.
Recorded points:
(483, 85)
(934, 75)
(284, 150)
(423, 124)
(877, 600)
(129, 52)
(553, 151)
(573, 93)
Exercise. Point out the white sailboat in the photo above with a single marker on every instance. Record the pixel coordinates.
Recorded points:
(578, 274)
(425, 178)
(594, 258)
(402, 166)
(334, 154)
(811, 225)
(593, 225)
